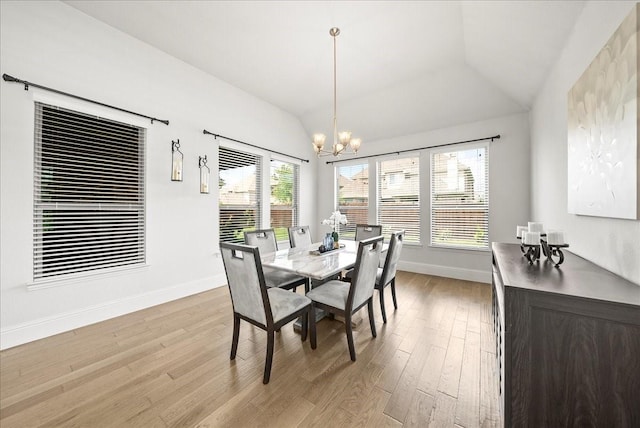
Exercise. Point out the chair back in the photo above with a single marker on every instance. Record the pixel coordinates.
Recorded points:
(363, 280)
(299, 236)
(366, 231)
(246, 281)
(393, 255)
(264, 239)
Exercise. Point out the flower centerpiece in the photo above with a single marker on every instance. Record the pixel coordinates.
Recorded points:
(335, 220)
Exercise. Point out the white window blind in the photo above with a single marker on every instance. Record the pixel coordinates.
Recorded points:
(353, 197)
(240, 193)
(399, 197)
(89, 195)
(284, 198)
(460, 198)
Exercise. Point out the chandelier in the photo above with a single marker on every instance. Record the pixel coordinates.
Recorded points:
(341, 140)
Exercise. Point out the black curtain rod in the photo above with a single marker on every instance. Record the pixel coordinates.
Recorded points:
(495, 137)
(26, 84)
(216, 136)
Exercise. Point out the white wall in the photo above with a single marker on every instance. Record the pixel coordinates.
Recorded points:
(509, 192)
(54, 45)
(611, 243)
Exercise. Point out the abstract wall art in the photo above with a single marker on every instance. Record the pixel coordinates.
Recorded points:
(603, 178)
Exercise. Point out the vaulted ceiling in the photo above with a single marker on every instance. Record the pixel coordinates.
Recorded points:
(402, 66)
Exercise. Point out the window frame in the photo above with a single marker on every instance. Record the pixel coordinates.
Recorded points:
(348, 231)
(259, 188)
(387, 230)
(80, 204)
(295, 205)
(487, 203)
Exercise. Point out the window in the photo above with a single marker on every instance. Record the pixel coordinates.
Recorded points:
(353, 197)
(284, 198)
(89, 196)
(240, 193)
(460, 198)
(399, 197)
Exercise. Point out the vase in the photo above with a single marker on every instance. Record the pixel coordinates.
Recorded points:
(328, 241)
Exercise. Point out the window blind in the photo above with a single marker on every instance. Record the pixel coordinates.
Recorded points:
(240, 186)
(353, 197)
(284, 198)
(89, 194)
(460, 198)
(399, 197)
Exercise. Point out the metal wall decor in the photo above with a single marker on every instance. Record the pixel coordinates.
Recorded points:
(177, 159)
(205, 172)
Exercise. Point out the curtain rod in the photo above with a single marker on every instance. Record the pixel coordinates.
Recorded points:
(216, 136)
(26, 84)
(397, 152)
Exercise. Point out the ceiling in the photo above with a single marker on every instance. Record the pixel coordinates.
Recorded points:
(402, 66)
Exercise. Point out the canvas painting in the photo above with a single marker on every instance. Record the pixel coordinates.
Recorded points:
(603, 177)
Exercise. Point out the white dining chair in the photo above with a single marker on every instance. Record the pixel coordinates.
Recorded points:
(345, 299)
(265, 239)
(259, 305)
(386, 275)
(299, 237)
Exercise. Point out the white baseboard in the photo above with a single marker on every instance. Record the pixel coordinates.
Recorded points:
(447, 271)
(49, 326)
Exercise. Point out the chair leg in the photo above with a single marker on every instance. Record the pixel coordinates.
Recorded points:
(267, 364)
(349, 329)
(312, 326)
(305, 326)
(384, 312)
(236, 335)
(372, 323)
(393, 293)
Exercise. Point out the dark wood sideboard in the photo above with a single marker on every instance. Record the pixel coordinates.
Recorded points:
(567, 342)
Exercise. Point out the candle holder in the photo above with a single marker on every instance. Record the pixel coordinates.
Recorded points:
(176, 161)
(554, 250)
(204, 174)
(532, 253)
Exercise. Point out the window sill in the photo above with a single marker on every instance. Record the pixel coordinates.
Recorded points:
(84, 277)
(448, 247)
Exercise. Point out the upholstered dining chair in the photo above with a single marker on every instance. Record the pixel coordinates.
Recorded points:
(387, 274)
(299, 236)
(265, 239)
(345, 299)
(366, 231)
(266, 308)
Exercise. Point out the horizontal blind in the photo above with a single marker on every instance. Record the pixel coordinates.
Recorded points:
(240, 193)
(353, 197)
(399, 197)
(89, 199)
(460, 198)
(284, 198)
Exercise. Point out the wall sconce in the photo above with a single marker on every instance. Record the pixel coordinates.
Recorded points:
(176, 161)
(204, 174)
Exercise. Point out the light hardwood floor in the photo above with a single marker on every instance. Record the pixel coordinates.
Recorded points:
(432, 364)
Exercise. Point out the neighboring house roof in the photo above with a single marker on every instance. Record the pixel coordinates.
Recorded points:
(242, 192)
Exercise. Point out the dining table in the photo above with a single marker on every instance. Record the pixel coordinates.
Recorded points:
(311, 263)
